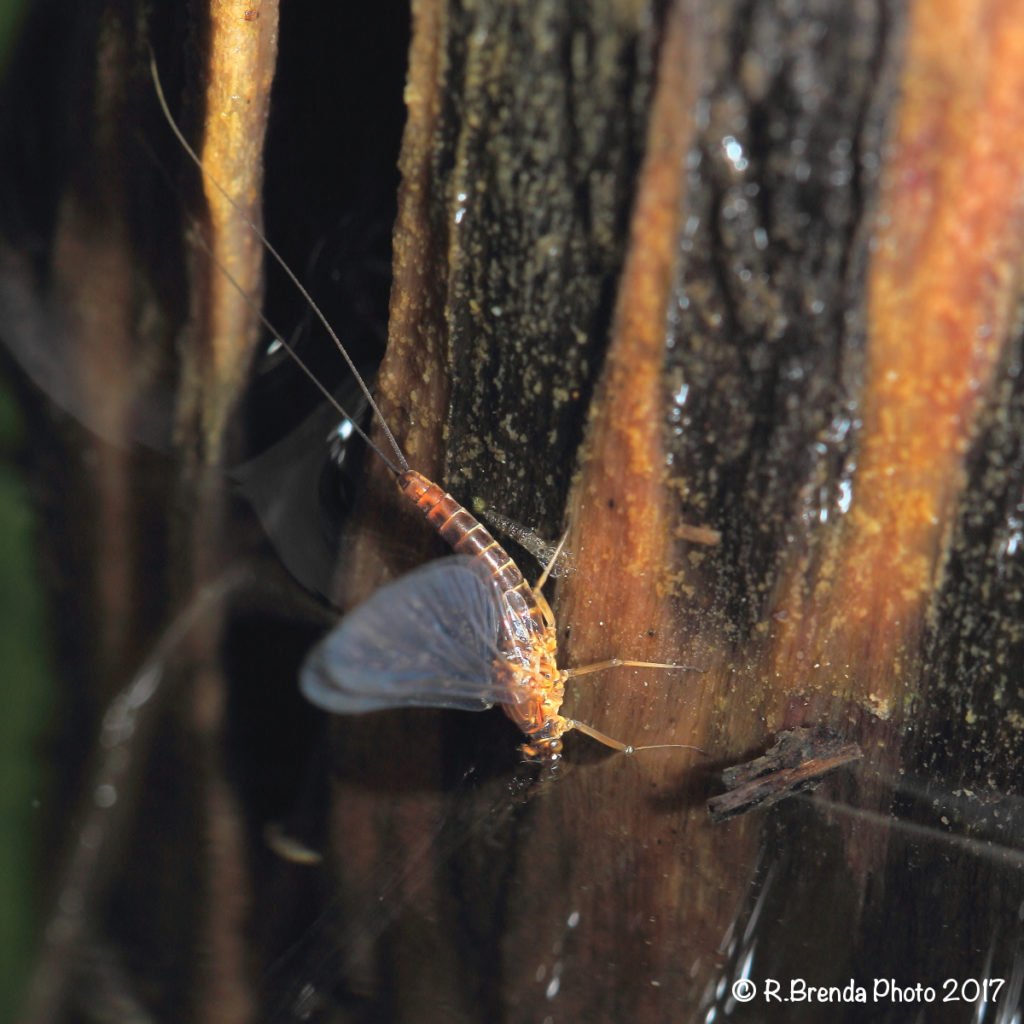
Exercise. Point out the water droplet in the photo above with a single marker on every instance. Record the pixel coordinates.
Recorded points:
(105, 795)
(734, 153)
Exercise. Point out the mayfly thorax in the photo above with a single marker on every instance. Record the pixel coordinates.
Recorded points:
(462, 632)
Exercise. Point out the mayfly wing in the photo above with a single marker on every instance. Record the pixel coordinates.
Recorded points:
(429, 639)
(517, 631)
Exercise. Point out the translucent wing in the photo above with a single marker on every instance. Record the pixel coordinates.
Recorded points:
(516, 629)
(429, 639)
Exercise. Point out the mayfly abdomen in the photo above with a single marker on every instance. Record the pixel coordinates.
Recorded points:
(466, 535)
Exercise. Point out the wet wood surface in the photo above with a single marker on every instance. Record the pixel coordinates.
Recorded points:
(659, 274)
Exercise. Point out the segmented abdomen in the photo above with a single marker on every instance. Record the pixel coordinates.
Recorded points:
(468, 536)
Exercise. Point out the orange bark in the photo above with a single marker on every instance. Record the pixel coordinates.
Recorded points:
(243, 48)
(941, 291)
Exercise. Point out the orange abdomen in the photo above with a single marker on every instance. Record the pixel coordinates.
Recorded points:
(468, 536)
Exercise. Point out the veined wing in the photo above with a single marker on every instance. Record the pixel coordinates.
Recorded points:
(429, 639)
(516, 631)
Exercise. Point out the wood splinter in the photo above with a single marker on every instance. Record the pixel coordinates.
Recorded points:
(796, 763)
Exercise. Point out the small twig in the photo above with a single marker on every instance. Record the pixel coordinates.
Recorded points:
(798, 761)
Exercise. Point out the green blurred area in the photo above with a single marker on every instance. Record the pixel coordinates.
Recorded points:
(26, 695)
(26, 686)
(12, 12)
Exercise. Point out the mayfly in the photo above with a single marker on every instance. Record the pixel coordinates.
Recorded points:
(464, 632)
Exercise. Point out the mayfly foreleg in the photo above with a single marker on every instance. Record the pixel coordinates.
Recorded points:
(538, 587)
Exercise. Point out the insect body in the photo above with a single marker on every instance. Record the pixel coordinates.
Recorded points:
(527, 640)
(464, 632)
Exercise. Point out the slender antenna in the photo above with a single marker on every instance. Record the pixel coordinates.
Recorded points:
(628, 748)
(667, 746)
(399, 456)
